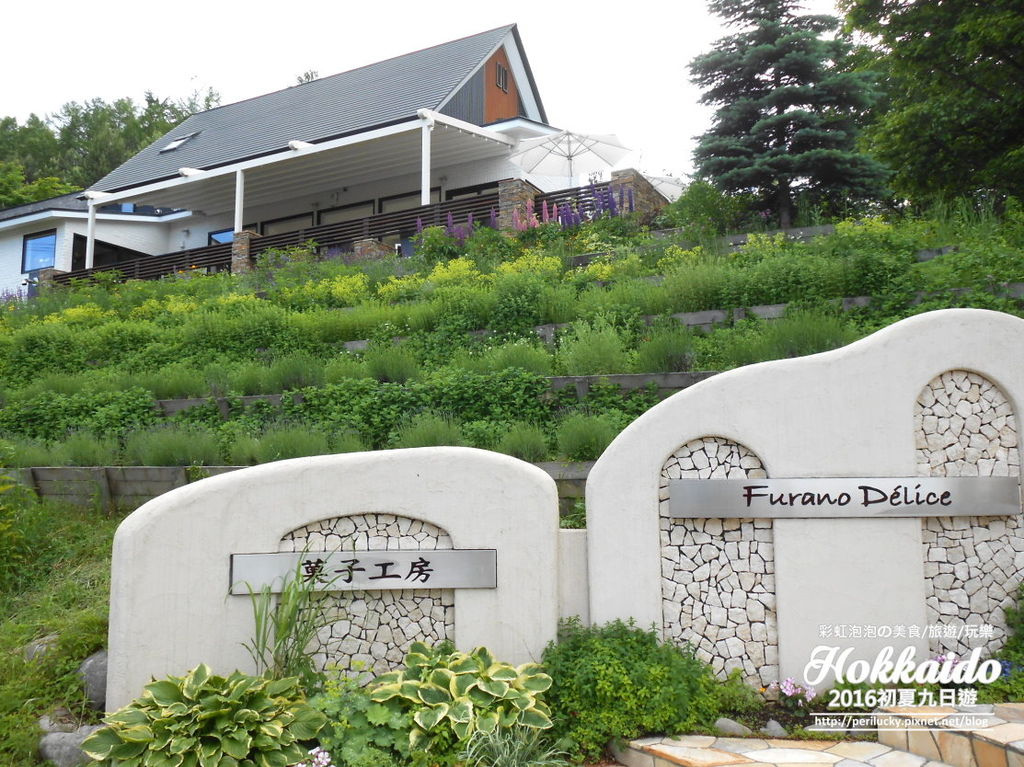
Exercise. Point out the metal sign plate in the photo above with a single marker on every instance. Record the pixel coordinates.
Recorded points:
(368, 570)
(817, 497)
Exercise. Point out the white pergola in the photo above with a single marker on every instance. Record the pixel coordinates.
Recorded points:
(309, 168)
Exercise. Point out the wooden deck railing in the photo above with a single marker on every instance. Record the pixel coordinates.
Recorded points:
(341, 236)
(401, 224)
(215, 258)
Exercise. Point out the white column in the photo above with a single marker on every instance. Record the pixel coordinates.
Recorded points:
(428, 125)
(239, 200)
(90, 236)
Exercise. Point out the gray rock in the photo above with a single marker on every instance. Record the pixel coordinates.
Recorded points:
(94, 678)
(774, 730)
(40, 646)
(64, 748)
(729, 727)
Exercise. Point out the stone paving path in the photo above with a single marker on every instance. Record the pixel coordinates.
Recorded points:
(709, 751)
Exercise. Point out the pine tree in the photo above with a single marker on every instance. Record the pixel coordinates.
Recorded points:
(787, 114)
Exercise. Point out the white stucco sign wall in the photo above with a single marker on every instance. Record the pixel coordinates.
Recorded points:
(170, 603)
(933, 396)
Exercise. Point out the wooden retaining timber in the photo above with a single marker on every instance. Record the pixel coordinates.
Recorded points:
(128, 487)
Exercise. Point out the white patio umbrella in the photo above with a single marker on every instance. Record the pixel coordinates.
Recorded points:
(669, 186)
(567, 154)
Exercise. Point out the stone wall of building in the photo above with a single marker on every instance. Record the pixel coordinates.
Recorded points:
(375, 628)
(718, 582)
(965, 427)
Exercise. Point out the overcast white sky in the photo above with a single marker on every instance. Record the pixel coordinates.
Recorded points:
(600, 68)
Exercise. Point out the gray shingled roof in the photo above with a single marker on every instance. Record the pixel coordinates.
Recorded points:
(64, 202)
(351, 102)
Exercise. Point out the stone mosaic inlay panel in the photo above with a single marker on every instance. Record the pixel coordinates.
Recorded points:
(965, 427)
(718, 575)
(364, 625)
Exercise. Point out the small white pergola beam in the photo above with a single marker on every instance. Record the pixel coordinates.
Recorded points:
(90, 235)
(239, 199)
(428, 126)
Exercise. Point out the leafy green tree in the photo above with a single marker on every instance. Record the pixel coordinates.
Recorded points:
(788, 109)
(95, 137)
(15, 190)
(83, 142)
(953, 122)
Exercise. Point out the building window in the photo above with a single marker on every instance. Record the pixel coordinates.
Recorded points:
(407, 201)
(222, 237)
(176, 142)
(502, 79)
(346, 213)
(289, 224)
(39, 251)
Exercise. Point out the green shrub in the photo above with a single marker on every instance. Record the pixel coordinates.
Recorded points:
(344, 366)
(434, 245)
(452, 695)
(84, 449)
(51, 417)
(592, 348)
(172, 446)
(734, 697)
(293, 372)
(584, 437)
(518, 354)
(428, 430)
(347, 441)
(242, 720)
(25, 452)
(618, 681)
(702, 286)
(664, 350)
(1013, 650)
(218, 377)
(247, 379)
(361, 733)
(174, 382)
(281, 442)
(285, 625)
(396, 364)
(512, 747)
(704, 212)
(525, 441)
(795, 335)
(243, 450)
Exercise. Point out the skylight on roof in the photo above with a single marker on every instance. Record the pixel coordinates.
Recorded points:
(175, 143)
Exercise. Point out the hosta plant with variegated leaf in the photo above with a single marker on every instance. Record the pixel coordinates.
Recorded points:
(204, 720)
(452, 695)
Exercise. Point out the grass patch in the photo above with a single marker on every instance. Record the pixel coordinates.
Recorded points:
(61, 589)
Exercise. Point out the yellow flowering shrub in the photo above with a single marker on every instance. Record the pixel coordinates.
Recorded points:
(611, 269)
(457, 271)
(533, 262)
(676, 257)
(398, 289)
(85, 314)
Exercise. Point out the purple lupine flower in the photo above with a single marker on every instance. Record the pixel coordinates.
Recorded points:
(516, 223)
(451, 225)
(622, 191)
(419, 225)
(554, 210)
(613, 209)
(494, 219)
(630, 195)
(544, 211)
(469, 221)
